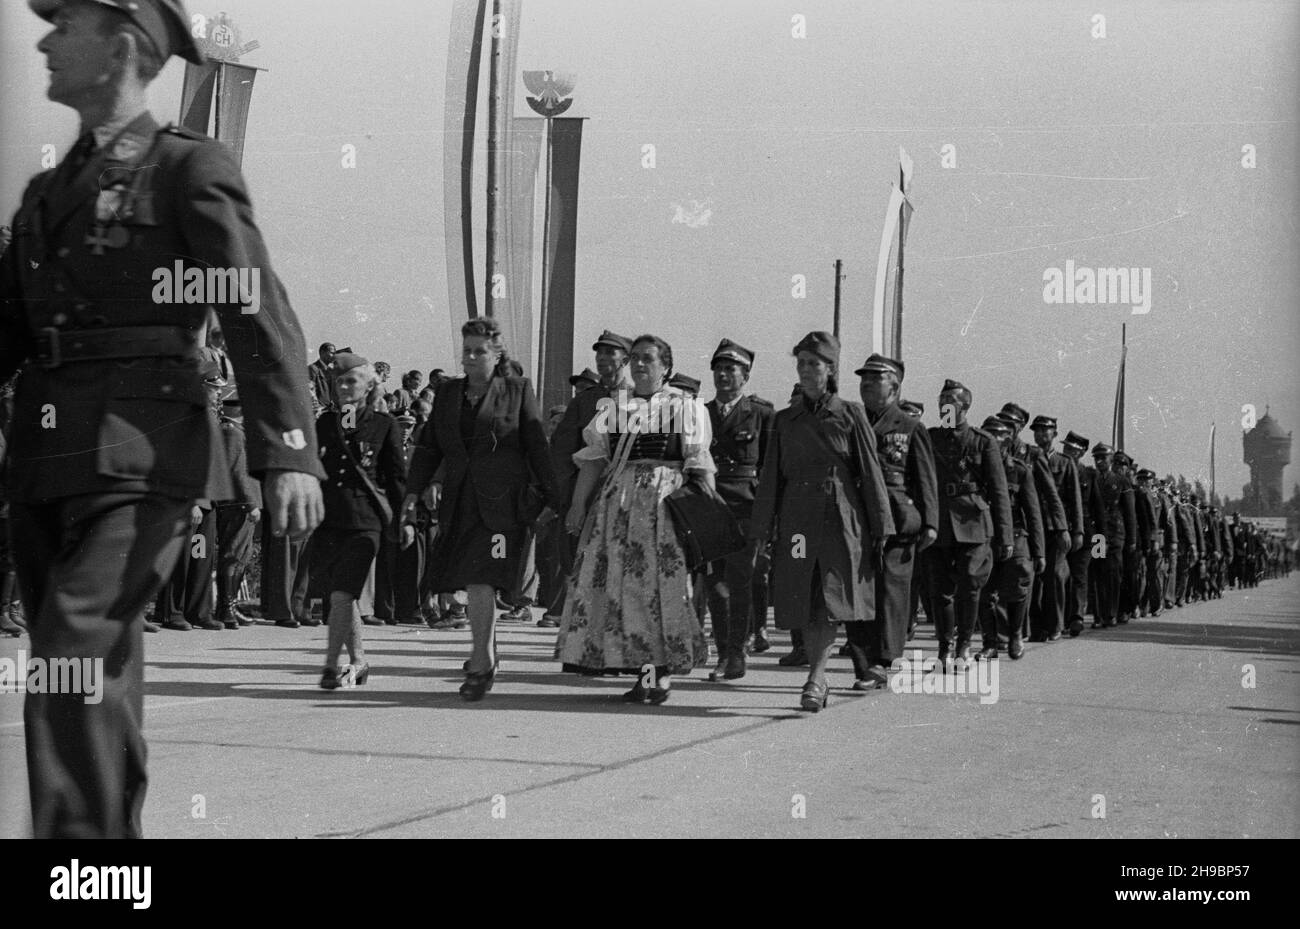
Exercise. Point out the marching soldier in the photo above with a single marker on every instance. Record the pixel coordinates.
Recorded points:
(237, 518)
(1120, 530)
(1169, 551)
(742, 424)
(612, 352)
(112, 437)
(974, 524)
(1190, 546)
(1151, 511)
(907, 464)
(1053, 510)
(1004, 601)
(1134, 566)
(916, 410)
(1094, 518)
(1050, 597)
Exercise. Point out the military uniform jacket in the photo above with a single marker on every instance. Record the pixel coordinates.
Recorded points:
(739, 441)
(507, 455)
(1094, 508)
(1065, 475)
(567, 439)
(1188, 537)
(247, 492)
(1167, 521)
(83, 257)
(820, 489)
(1120, 525)
(1026, 514)
(907, 463)
(376, 444)
(1146, 507)
(972, 487)
(1055, 518)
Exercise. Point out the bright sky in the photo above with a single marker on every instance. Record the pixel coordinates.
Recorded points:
(1122, 151)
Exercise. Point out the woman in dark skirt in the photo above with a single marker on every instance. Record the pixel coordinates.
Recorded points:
(365, 469)
(486, 434)
(823, 502)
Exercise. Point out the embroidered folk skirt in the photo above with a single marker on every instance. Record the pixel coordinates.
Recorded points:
(629, 598)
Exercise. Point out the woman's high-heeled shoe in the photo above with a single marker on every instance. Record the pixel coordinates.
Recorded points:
(361, 675)
(659, 695)
(329, 679)
(814, 697)
(477, 684)
(638, 694)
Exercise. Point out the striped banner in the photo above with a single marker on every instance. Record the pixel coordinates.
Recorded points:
(887, 304)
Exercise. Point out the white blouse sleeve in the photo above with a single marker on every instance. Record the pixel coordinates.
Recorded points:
(697, 438)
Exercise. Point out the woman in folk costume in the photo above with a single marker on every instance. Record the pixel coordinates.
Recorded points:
(824, 504)
(629, 604)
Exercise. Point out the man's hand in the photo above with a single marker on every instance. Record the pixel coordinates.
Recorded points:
(409, 514)
(1076, 542)
(294, 501)
(407, 537)
(1063, 540)
(1005, 552)
(1040, 564)
(545, 517)
(928, 538)
(196, 515)
(433, 496)
(254, 515)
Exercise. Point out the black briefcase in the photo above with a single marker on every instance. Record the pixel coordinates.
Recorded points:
(705, 528)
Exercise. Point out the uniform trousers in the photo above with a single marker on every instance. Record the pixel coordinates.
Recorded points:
(1004, 601)
(956, 573)
(1080, 579)
(1153, 594)
(1187, 570)
(1051, 598)
(1107, 579)
(187, 594)
(87, 567)
(1131, 585)
(286, 572)
(1171, 576)
(880, 642)
(729, 583)
(235, 530)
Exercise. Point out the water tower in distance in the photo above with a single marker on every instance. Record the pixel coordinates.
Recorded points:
(1268, 451)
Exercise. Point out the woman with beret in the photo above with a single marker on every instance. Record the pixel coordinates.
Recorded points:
(361, 449)
(824, 504)
(486, 435)
(629, 605)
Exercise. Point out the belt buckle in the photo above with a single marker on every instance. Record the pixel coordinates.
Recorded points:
(55, 358)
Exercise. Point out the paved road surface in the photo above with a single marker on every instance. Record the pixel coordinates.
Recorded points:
(1150, 720)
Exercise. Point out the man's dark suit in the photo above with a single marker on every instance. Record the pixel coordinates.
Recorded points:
(112, 436)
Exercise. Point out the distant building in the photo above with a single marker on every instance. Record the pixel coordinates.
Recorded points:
(1267, 452)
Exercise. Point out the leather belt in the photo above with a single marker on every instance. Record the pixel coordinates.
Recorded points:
(737, 471)
(957, 488)
(56, 347)
(895, 479)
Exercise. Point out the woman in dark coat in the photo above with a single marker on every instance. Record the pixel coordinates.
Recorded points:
(486, 434)
(365, 469)
(824, 504)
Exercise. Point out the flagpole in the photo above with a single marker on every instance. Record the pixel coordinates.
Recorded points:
(1212, 438)
(1117, 420)
(839, 267)
(493, 156)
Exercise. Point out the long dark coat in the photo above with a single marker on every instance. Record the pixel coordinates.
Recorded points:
(823, 501)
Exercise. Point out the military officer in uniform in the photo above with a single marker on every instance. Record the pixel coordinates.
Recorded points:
(916, 409)
(1050, 597)
(237, 518)
(1148, 499)
(1134, 565)
(1094, 518)
(742, 424)
(1004, 601)
(907, 465)
(1120, 529)
(974, 524)
(612, 351)
(112, 437)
